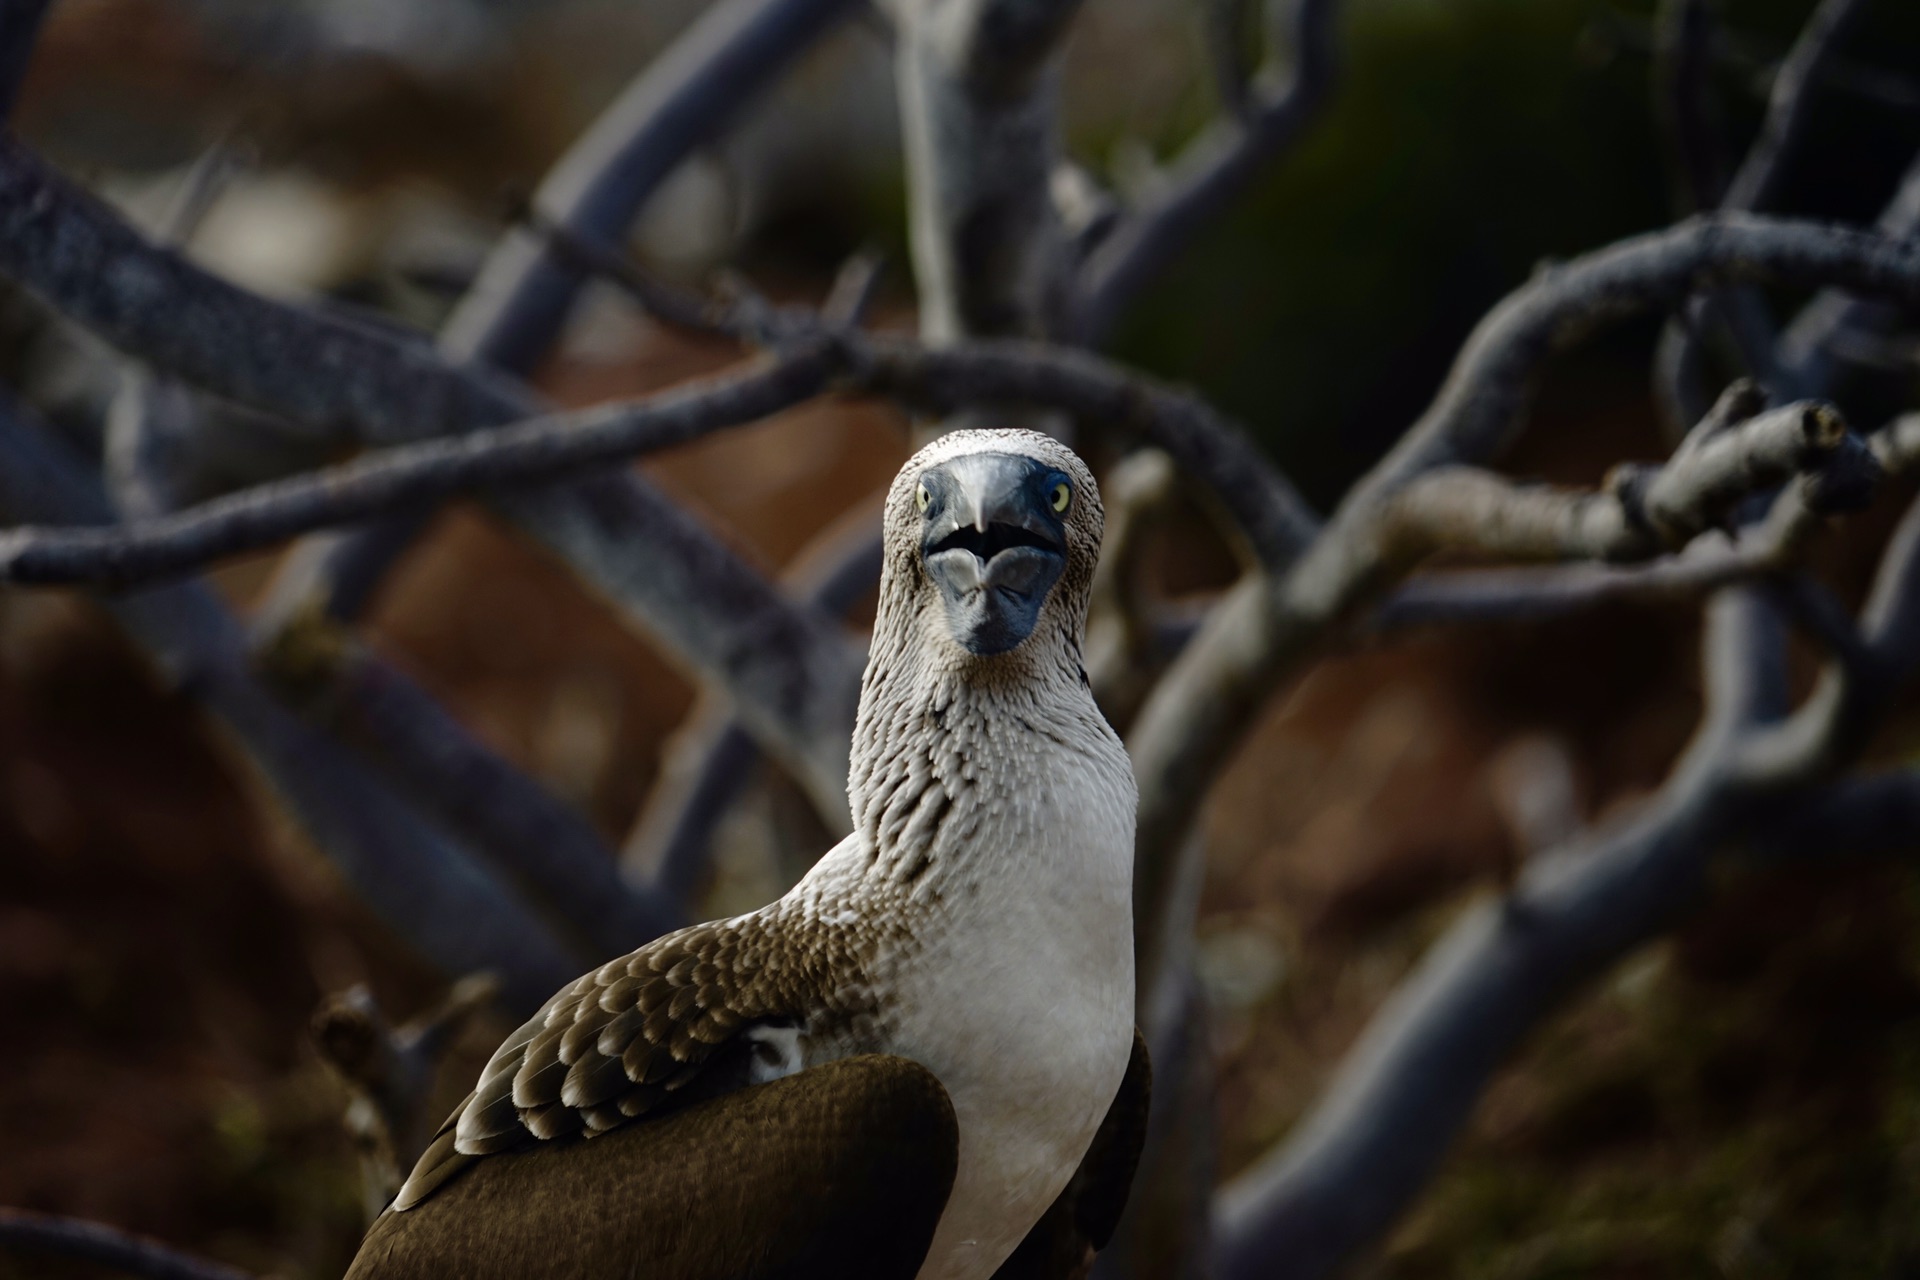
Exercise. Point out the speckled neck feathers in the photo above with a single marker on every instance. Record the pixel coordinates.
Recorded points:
(934, 719)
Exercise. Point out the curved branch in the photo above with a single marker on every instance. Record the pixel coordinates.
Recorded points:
(977, 119)
(389, 1073)
(1211, 449)
(707, 606)
(1741, 313)
(683, 98)
(1405, 1089)
(1211, 172)
(710, 756)
(50, 1235)
(405, 476)
(1755, 183)
(1683, 39)
(328, 371)
(525, 289)
(1762, 549)
(1641, 511)
(535, 841)
(1813, 348)
(421, 883)
(1266, 626)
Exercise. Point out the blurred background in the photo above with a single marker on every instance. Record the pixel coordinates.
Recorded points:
(1740, 1100)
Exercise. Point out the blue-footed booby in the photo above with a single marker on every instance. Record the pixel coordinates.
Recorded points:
(921, 1061)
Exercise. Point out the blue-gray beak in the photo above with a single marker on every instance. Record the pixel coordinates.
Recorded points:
(994, 543)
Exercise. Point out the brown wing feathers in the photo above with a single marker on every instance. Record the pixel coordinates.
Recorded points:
(647, 1031)
(841, 1171)
(617, 1043)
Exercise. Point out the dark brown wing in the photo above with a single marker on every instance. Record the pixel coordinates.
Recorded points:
(673, 1022)
(1081, 1221)
(842, 1170)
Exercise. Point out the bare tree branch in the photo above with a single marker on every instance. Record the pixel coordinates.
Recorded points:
(412, 475)
(1758, 178)
(1814, 347)
(1003, 372)
(1351, 1166)
(537, 842)
(1405, 1089)
(50, 1235)
(1211, 172)
(334, 373)
(1210, 448)
(683, 99)
(977, 82)
(1831, 728)
(1227, 56)
(1122, 647)
(389, 1073)
(1741, 312)
(1214, 451)
(1479, 596)
(789, 668)
(515, 308)
(1642, 511)
(419, 882)
(1683, 37)
(1266, 626)
(534, 840)
(1753, 61)
(710, 757)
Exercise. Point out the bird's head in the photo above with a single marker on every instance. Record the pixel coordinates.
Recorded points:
(992, 537)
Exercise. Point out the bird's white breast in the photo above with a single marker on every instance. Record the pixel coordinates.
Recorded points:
(1018, 992)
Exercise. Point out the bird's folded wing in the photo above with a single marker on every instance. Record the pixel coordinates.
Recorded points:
(842, 1170)
(644, 1033)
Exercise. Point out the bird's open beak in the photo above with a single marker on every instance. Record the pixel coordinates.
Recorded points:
(993, 546)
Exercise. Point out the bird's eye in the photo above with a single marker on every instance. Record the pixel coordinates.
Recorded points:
(921, 498)
(1061, 496)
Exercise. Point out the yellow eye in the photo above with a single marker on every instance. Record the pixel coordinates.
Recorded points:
(1061, 496)
(921, 497)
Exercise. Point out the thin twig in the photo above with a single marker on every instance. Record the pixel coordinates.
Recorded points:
(1683, 39)
(1214, 169)
(390, 1073)
(409, 475)
(1741, 313)
(678, 103)
(1758, 178)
